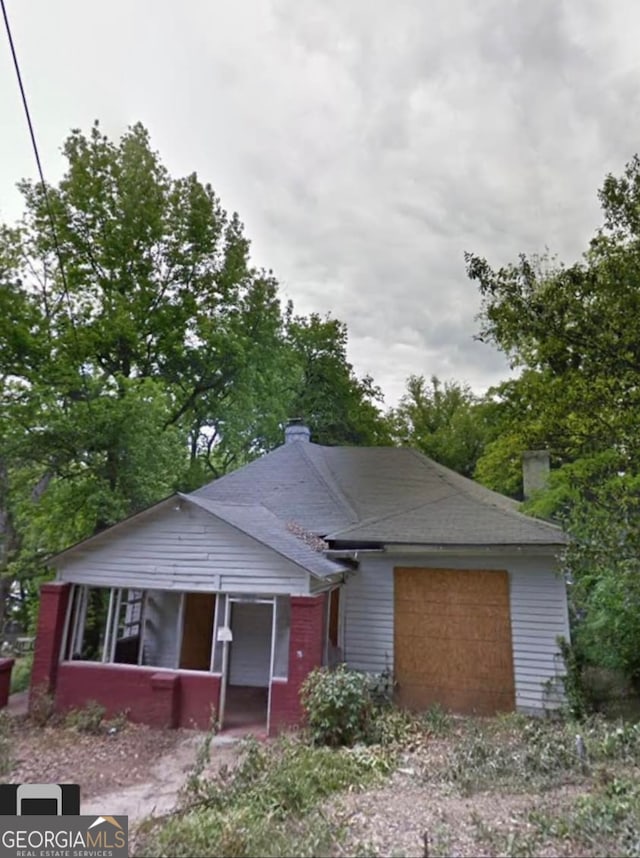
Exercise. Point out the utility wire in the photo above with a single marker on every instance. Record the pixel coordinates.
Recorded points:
(45, 192)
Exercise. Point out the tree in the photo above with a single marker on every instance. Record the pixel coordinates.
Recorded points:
(156, 333)
(338, 407)
(156, 357)
(447, 422)
(574, 333)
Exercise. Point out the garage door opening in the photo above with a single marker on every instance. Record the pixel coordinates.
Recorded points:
(452, 640)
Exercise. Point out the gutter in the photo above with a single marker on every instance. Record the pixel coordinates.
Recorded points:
(351, 553)
(440, 550)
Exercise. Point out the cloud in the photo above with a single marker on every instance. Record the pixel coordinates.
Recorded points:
(366, 146)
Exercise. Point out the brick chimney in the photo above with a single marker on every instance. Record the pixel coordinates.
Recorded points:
(295, 430)
(535, 471)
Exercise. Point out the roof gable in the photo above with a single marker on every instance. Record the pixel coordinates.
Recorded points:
(252, 522)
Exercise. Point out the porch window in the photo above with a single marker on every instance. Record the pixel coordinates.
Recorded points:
(155, 628)
(332, 649)
(282, 626)
(88, 620)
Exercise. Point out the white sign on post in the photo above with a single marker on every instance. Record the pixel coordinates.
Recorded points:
(224, 634)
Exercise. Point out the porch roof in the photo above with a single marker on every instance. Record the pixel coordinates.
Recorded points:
(286, 538)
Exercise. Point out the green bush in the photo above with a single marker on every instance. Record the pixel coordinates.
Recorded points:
(21, 674)
(578, 700)
(339, 706)
(522, 754)
(267, 804)
(436, 721)
(88, 719)
(6, 745)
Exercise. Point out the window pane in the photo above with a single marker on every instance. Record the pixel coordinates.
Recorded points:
(160, 644)
(87, 623)
(281, 647)
(127, 626)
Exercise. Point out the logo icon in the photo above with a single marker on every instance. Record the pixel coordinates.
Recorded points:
(39, 800)
(42, 820)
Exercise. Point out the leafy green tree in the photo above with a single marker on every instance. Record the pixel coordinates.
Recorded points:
(160, 333)
(338, 407)
(157, 358)
(447, 422)
(575, 331)
(574, 334)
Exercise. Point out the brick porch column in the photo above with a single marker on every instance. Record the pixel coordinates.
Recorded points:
(54, 598)
(306, 645)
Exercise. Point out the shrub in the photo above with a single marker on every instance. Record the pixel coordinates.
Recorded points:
(268, 804)
(41, 706)
(578, 701)
(339, 706)
(6, 744)
(21, 674)
(88, 719)
(436, 721)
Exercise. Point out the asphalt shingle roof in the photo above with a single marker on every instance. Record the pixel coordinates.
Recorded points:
(378, 494)
(258, 522)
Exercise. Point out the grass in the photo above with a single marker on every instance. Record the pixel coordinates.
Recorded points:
(511, 786)
(269, 804)
(6, 745)
(520, 755)
(603, 822)
(21, 674)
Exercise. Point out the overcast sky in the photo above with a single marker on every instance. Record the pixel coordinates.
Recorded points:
(365, 144)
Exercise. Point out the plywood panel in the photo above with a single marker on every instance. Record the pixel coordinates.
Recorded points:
(452, 639)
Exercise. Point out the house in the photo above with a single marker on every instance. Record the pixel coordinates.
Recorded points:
(224, 599)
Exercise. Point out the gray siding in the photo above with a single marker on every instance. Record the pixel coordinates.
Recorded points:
(183, 549)
(250, 652)
(161, 629)
(538, 616)
(368, 616)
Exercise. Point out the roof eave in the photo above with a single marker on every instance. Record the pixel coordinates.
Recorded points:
(531, 548)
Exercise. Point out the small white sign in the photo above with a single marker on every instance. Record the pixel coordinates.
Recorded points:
(224, 634)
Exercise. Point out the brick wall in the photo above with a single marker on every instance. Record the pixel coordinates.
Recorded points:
(306, 645)
(54, 598)
(160, 698)
(198, 693)
(167, 698)
(149, 695)
(6, 664)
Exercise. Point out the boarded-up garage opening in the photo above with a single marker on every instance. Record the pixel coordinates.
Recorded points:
(452, 640)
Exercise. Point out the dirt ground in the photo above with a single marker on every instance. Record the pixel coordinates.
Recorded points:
(133, 770)
(139, 771)
(407, 818)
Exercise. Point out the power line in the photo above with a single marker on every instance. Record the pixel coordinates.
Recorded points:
(45, 190)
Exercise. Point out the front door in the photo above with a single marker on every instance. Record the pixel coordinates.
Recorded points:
(197, 631)
(246, 635)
